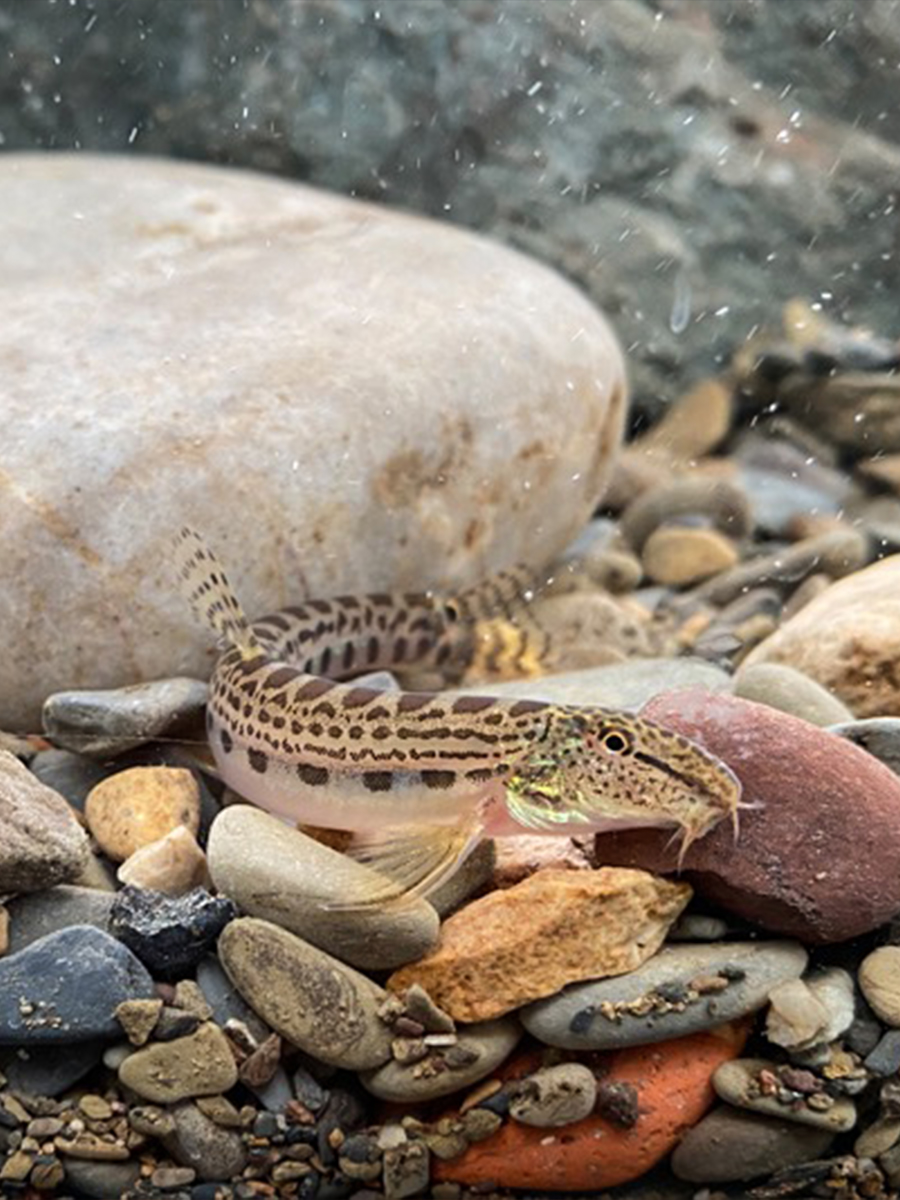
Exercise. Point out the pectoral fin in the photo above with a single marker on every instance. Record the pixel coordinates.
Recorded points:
(410, 860)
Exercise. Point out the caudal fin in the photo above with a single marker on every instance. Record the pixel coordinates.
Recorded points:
(207, 590)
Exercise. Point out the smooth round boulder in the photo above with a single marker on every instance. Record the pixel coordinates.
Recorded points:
(340, 397)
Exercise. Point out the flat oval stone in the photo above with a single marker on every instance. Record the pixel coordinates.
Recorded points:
(480, 1049)
(281, 875)
(879, 981)
(736, 1083)
(344, 398)
(200, 1064)
(819, 807)
(627, 685)
(42, 842)
(66, 986)
(730, 1146)
(315, 1001)
(110, 722)
(676, 992)
(198, 1142)
(554, 1096)
(790, 691)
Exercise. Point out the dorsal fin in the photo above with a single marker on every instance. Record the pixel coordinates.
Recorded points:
(206, 588)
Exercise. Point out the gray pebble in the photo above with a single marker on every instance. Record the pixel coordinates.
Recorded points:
(100, 1180)
(695, 927)
(746, 971)
(735, 1083)
(879, 735)
(884, 1058)
(65, 988)
(100, 723)
(316, 1001)
(730, 1146)
(835, 990)
(72, 775)
(480, 1049)
(214, 1153)
(554, 1096)
(280, 875)
(36, 914)
(627, 685)
(225, 1000)
(782, 687)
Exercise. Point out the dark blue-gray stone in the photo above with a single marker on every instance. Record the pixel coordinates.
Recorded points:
(66, 986)
(169, 934)
(43, 1071)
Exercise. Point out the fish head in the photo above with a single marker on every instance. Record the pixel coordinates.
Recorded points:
(593, 769)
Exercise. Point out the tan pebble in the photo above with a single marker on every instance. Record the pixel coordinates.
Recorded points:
(133, 808)
(724, 503)
(197, 1065)
(677, 556)
(4, 928)
(694, 425)
(190, 998)
(16, 1167)
(173, 864)
(879, 980)
(90, 1146)
(138, 1018)
(884, 469)
(878, 1138)
(95, 1108)
(220, 1111)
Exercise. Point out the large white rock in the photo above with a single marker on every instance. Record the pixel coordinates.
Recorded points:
(340, 397)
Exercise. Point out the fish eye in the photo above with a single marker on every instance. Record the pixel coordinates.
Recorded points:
(614, 741)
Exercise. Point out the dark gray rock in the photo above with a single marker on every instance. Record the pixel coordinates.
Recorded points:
(65, 988)
(43, 1071)
(170, 934)
(225, 1000)
(213, 1152)
(72, 775)
(33, 916)
(100, 1180)
(729, 1146)
(114, 720)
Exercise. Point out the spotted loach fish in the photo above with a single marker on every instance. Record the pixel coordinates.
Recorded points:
(421, 777)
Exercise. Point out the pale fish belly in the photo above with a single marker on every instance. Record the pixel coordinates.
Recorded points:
(345, 801)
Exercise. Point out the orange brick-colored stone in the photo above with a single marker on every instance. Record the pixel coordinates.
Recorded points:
(672, 1080)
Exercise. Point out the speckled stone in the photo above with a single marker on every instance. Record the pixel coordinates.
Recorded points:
(169, 933)
(281, 875)
(553, 1096)
(315, 1001)
(200, 1064)
(138, 806)
(213, 1152)
(825, 806)
(735, 1083)
(657, 1001)
(433, 424)
(480, 1049)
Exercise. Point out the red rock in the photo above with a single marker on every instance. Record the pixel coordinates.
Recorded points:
(672, 1083)
(819, 859)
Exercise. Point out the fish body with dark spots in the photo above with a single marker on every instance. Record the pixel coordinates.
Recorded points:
(421, 777)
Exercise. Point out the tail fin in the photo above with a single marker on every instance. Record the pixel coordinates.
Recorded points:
(209, 593)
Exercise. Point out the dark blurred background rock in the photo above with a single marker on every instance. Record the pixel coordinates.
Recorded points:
(690, 163)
